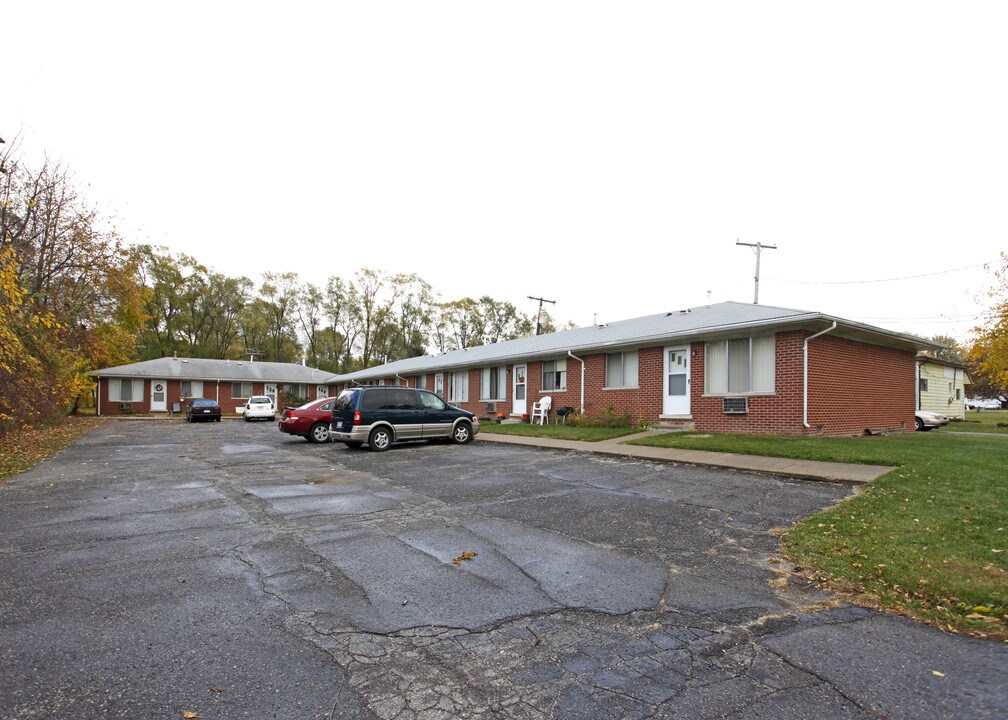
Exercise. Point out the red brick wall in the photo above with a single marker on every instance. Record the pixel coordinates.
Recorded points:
(853, 386)
(174, 390)
(856, 386)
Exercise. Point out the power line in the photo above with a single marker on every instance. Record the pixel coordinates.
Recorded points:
(882, 280)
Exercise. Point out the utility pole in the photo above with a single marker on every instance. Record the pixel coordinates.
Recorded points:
(759, 246)
(539, 314)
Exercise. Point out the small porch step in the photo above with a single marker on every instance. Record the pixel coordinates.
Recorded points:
(682, 424)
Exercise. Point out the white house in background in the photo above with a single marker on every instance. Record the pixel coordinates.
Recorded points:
(941, 386)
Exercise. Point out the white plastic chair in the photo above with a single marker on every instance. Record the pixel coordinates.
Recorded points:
(540, 409)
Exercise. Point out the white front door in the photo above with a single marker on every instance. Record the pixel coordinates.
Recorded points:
(322, 391)
(677, 382)
(159, 396)
(518, 404)
(271, 392)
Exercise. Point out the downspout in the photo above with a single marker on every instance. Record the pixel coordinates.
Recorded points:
(401, 379)
(98, 404)
(955, 376)
(917, 393)
(831, 328)
(572, 355)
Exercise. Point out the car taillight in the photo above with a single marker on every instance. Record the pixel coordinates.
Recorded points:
(356, 417)
(291, 414)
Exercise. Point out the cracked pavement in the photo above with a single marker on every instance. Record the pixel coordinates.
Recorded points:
(156, 568)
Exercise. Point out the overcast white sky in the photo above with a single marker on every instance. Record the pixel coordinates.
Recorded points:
(604, 155)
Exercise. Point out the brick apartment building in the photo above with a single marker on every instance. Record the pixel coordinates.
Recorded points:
(728, 367)
(167, 384)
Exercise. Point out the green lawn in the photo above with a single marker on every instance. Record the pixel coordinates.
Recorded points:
(979, 421)
(559, 432)
(928, 539)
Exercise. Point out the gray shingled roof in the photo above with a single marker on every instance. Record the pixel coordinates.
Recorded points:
(205, 369)
(706, 322)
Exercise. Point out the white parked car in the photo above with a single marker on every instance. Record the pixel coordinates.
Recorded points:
(259, 407)
(983, 404)
(926, 420)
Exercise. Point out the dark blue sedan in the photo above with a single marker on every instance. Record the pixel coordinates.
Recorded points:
(203, 409)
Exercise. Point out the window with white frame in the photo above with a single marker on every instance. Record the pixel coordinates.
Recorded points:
(621, 370)
(421, 382)
(241, 390)
(493, 383)
(554, 374)
(125, 390)
(192, 388)
(458, 386)
(299, 390)
(739, 366)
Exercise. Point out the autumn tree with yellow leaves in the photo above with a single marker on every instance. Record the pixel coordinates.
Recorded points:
(987, 357)
(70, 300)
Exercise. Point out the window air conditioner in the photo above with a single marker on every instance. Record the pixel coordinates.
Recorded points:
(125, 406)
(735, 405)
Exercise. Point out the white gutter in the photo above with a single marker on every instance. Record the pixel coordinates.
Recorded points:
(98, 393)
(917, 394)
(572, 355)
(831, 328)
(401, 379)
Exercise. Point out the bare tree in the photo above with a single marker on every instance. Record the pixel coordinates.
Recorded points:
(310, 313)
(342, 307)
(279, 293)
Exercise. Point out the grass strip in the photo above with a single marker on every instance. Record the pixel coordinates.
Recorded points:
(927, 540)
(558, 432)
(985, 421)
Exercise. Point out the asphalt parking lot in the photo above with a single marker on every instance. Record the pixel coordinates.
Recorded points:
(226, 570)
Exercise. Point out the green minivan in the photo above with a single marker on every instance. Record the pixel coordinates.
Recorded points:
(382, 415)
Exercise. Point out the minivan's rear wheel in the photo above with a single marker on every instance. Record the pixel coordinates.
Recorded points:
(380, 439)
(319, 433)
(462, 433)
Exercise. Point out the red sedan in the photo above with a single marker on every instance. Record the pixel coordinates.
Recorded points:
(310, 421)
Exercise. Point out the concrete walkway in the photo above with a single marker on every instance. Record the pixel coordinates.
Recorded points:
(788, 467)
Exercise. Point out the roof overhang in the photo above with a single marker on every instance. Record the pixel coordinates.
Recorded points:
(812, 322)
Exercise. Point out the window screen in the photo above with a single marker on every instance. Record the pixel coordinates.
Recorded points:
(493, 383)
(125, 390)
(621, 369)
(554, 374)
(740, 365)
